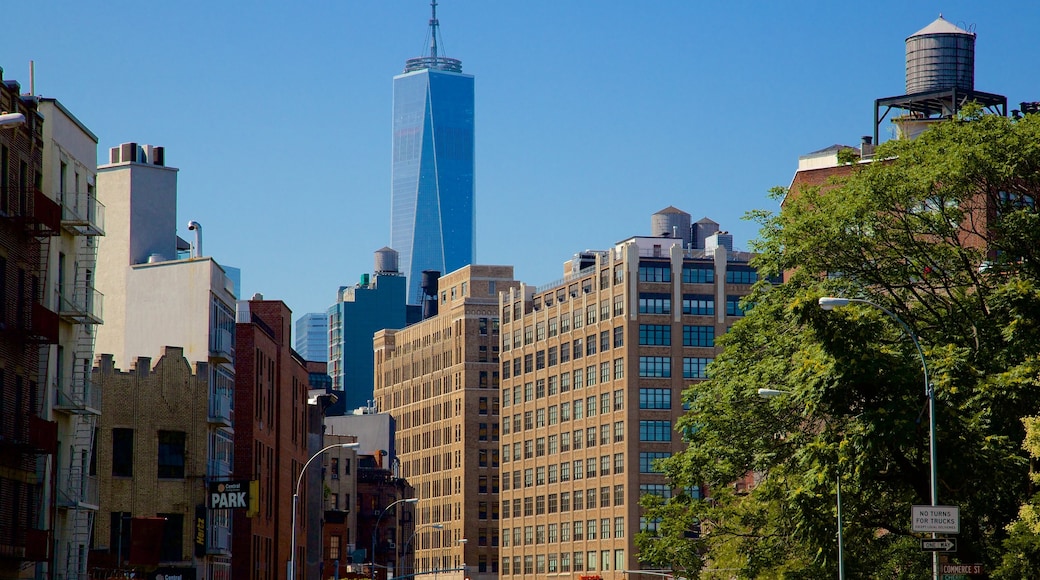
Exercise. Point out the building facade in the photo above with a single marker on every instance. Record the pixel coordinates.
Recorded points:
(439, 380)
(157, 450)
(339, 539)
(312, 337)
(29, 221)
(593, 368)
(271, 442)
(433, 221)
(374, 303)
(70, 167)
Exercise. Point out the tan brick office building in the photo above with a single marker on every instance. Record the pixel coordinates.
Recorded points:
(439, 379)
(593, 368)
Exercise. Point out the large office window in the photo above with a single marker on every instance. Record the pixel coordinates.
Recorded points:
(652, 303)
(695, 367)
(655, 366)
(647, 459)
(698, 304)
(655, 272)
(741, 274)
(655, 398)
(655, 430)
(698, 273)
(698, 335)
(733, 307)
(171, 454)
(655, 335)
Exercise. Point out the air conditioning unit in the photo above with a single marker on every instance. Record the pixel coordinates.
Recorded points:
(391, 544)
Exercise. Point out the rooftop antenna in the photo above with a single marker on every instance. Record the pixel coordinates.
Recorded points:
(433, 30)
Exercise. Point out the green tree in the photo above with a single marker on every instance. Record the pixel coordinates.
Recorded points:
(943, 231)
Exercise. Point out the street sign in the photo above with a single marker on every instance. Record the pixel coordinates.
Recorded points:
(943, 519)
(228, 495)
(968, 569)
(939, 545)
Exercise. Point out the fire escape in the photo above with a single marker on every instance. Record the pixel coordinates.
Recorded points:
(79, 306)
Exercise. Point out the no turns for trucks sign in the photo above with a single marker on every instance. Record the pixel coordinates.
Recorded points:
(228, 495)
(944, 519)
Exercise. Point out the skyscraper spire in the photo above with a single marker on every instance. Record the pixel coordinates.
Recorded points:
(433, 30)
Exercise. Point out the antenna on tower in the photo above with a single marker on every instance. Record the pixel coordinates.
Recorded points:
(433, 30)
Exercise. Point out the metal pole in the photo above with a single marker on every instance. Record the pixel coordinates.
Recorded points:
(290, 572)
(375, 530)
(929, 391)
(841, 542)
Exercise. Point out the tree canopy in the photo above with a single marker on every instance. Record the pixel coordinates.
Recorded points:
(943, 231)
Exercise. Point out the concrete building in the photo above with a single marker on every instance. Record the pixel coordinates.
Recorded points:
(271, 442)
(70, 167)
(312, 337)
(157, 449)
(432, 217)
(374, 303)
(593, 368)
(156, 296)
(439, 380)
(29, 221)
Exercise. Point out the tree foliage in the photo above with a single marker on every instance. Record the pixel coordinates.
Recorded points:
(942, 231)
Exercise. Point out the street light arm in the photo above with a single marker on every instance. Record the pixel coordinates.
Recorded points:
(303, 470)
(290, 573)
(375, 529)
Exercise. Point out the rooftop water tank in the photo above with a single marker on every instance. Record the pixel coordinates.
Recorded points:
(940, 57)
(671, 222)
(386, 260)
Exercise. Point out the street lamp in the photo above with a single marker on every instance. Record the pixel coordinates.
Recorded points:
(404, 554)
(10, 120)
(291, 573)
(375, 529)
(830, 303)
(771, 393)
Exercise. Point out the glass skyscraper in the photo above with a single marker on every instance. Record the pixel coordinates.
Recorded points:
(432, 222)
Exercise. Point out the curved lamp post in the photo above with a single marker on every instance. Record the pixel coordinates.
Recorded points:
(375, 529)
(404, 554)
(291, 573)
(830, 303)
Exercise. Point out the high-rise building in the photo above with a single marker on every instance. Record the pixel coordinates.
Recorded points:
(70, 167)
(432, 221)
(374, 303)
(439, 380)
(312, 337)
(593, 369)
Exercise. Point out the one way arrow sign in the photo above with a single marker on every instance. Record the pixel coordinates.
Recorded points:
(939, 545)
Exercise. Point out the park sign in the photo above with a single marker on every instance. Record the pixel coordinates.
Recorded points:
(228, 495)
(942, 519)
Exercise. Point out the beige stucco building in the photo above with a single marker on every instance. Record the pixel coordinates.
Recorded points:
(439, 380)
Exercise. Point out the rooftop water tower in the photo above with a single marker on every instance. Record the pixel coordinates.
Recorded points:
(940, 79)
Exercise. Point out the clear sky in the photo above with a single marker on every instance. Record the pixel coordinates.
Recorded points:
(590, 116)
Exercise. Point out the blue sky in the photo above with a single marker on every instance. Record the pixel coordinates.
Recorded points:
(591, 116)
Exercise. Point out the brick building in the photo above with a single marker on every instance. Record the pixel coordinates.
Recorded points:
(153, 456)
(593, 369)
(271, 437)
(28, 222)
(439, 380)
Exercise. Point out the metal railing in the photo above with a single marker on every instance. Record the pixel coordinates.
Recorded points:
(82, 213)
(81, 303)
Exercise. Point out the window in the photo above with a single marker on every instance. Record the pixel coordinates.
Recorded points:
(123, 453)
(619, 431)
(565, 352)
(577, 348)
(648, 458)
(619, 368)
(658, 489)
(554, 415)
(698, 304)
(539, 388)
(579, 409)
(539, 331)
(604, 371)
(604, 341)
(171, 454)
(334, 468)
(528, 363)
(695, 367)
(741, 274)
(565, 501)
(619, 495)
(619, 464)
(650, 303)
(528, 335)
(655, 430)
(590, 344)
(565, 412)
(655, 335)
(553, 328)
(565, 441)
(579, 319)
(553, 356)
(733, 307)
(698, 336)
(579, 379)
(590, 314)
(553, 508)
(619, 305)
(655, 398)
(565, 322)
(554, 385)
(619, 336)
(698, 273)
(590, 376)
(655, 272)
(655, 366)
(565, 469)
